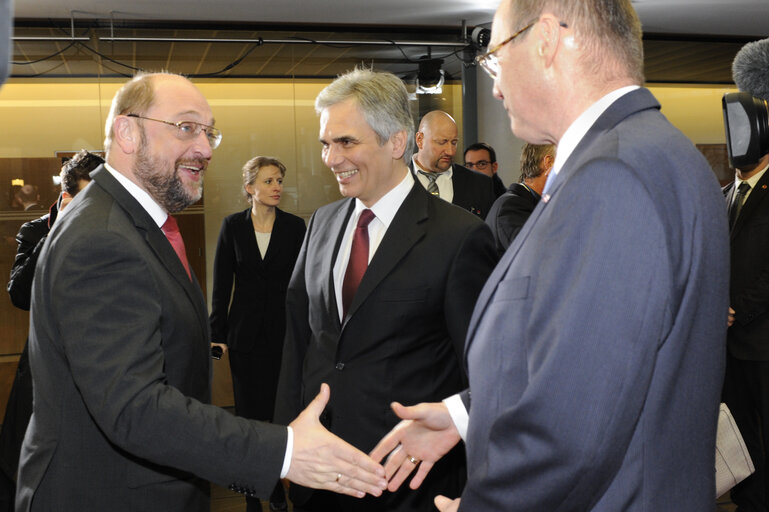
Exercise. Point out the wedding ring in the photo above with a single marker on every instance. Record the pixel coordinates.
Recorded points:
(338, 476)
(414, 460)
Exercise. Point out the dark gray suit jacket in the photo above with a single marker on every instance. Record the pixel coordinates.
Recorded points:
(473, 191)
(509, 213)
(596, 349)
(749, 286)
(119, 350)
(403, 337)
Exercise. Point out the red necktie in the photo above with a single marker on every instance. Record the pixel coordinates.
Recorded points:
(358, 263)
(171, 230)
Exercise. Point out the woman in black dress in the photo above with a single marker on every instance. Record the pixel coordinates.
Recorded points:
(257, 250)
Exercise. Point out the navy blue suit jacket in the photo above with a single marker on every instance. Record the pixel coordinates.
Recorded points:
(596, 349)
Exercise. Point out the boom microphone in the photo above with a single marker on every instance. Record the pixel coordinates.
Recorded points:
(750, 69)
(746, 113)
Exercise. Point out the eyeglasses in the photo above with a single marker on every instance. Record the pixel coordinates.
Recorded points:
(480, 164)
(188, 130)
(489, 60)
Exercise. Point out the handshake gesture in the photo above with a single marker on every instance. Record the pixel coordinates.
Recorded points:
(321, 460)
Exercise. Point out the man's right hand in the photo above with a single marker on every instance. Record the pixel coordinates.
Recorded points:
(321, 460)
(426, 434)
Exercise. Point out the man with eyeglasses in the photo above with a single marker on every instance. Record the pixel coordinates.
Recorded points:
(433, 166)
(596, 350)
(119, 342)
(480, 157)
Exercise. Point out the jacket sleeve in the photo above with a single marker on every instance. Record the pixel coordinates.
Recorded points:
(23, 270)
(288, 401)
(224, 270)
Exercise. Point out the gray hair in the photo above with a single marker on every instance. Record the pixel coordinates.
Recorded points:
(609, 31)
(750, 69)
(531, 156)
(382, 98)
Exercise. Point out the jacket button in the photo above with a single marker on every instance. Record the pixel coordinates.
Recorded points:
(339, 366)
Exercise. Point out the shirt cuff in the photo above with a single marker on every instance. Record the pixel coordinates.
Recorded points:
(289, 453)
(458, 414)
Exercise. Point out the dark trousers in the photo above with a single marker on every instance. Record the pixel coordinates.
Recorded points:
(17, 414)
(254, 384)
(746, 392)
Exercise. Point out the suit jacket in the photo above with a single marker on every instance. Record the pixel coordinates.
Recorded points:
(595, 353)
(119, 350)
(403, 336)
(749, 287)
(255, 320)
(497, 185)
(473, 191)
(509, 212)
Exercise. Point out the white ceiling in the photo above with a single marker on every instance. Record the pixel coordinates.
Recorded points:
(698, 17)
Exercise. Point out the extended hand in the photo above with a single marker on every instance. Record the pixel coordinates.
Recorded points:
(221, 346)
(321, 460)
(424, 436)
(445, 504)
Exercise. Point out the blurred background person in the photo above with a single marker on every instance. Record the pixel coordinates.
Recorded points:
(27, 198)
(31, 237)
(257, 249)
(481, 157)
(510, 211)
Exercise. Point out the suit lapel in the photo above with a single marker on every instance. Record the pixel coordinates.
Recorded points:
(405, 230)
(630, 103)
(156, 240)
(328, 249)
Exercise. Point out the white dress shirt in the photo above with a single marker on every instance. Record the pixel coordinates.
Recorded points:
(384, 210)
(444, 181)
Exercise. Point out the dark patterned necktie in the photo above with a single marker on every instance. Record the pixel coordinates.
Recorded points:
(432, 187)
(737, 203)
(358, 263)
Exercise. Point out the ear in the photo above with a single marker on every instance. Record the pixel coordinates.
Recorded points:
(547, 162)
(548, 31)
(420, 140)
(126, 134)
(398, 140)
(494, 167)
(249, 189)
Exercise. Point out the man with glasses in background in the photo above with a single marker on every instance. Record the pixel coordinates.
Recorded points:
(433, 166)
(596, 350)
(119, 342)
(480, 157)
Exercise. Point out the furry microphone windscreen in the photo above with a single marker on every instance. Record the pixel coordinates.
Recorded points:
(750, 69)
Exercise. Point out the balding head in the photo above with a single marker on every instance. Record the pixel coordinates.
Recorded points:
(436, 141)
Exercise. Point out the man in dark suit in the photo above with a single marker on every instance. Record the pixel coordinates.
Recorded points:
(509, 212)
(595, 353)
(481, 157)
(382, 292)
(433, 166)
(119, 342)
(746, 386)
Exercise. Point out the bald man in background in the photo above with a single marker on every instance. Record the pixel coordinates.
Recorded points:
(433, 166)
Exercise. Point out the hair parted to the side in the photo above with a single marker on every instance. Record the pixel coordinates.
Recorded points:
(382, 98)
(251, 170)
(531, 156)
(609, 31)
(136, 96)
(78, 168)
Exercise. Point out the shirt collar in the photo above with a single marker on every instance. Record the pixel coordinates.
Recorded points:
(153, 209)
(577, 130)
(753, 180)
(388, 205)
(448, 172)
